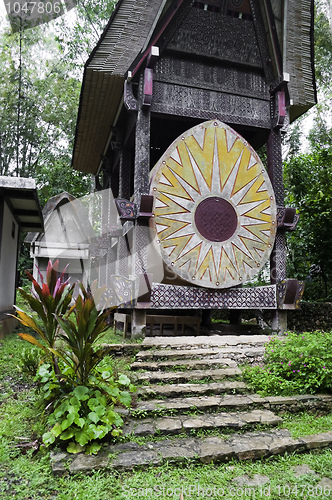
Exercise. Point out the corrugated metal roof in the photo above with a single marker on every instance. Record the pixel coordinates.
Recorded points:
(21, 195)
(124, 38)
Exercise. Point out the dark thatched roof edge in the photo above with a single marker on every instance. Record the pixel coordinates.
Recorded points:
(102, 36)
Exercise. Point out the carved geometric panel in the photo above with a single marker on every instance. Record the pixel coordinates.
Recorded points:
(184, 297)
(183, 100)
(214, 207)
(212, 76)
(218, 36)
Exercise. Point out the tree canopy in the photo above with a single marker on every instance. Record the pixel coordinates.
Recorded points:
(40, 81)
(309, 186)
(308, 178)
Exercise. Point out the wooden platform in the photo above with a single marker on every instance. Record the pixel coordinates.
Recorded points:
(161, 320)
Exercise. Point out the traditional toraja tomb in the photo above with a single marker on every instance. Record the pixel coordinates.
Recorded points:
(178, 99)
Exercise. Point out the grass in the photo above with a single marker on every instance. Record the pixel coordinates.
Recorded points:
(112, 336)
(304, 423)
(196, 482)
(25, 474)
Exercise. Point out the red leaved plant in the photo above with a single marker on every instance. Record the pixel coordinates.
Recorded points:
(49, 300)
(79, 336)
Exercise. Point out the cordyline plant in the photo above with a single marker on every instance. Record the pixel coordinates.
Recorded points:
(81, 334)
(52, 303)
(50, 300)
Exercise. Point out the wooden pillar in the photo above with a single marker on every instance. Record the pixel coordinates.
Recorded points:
(278, 255)
(122, 264)
(235, 317)
(104, 222)
(141, 186)
(112, 242)
(124, 174)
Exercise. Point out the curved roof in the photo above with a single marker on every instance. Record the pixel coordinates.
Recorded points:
(49, 207)
(126, 36)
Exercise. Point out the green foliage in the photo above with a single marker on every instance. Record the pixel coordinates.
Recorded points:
(81, 334)
(29, 361)
(308, 180)
(48, 385)
(77, 386)
(78, 37)
(323, 49)
(305, 423)
(86, 415)
(297, 364)
(39, 100)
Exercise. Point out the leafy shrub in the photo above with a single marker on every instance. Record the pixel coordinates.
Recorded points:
(80, 334)
(29, 360)
(86, 415)
(78, 391)
(295, 364)
(48, 385)
(79, 416)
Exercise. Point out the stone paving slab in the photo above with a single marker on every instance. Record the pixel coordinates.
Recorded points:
(215, 352)
(248, 446)
(195, 364)
(173, 390)
(184, 376)
(201, 403)
(177, 425)
(203, 341)
(239, 402)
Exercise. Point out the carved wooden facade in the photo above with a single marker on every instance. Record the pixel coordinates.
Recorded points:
(164, 67)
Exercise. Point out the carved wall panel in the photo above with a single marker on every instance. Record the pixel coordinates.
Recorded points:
(221, 37)
(183, 297)
(211, 76)
(204, 104)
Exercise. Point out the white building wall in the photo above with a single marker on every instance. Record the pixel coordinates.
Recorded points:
(8, 258)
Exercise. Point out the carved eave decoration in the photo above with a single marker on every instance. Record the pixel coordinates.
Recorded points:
(134, 26)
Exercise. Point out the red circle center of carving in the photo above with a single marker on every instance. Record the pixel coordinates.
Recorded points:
(215, 219)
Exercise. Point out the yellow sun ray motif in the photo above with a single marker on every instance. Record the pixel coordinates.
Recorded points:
(203, 156)
(214, 216)
(257, 230)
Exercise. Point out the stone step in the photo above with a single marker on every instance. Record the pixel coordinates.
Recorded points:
(183, 377)
(213, 352)
(246, 446)
(200, 404)
(228, 402)
(177, 390)
(239, 354)
(195, 364)
(187, 424)
(204, 342)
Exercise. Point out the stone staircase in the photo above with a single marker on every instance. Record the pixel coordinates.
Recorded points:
(192, 404)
